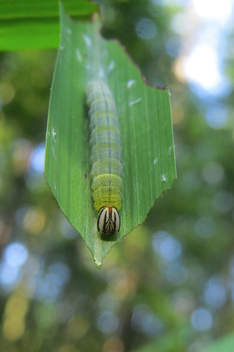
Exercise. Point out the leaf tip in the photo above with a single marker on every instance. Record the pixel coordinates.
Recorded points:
(98, 263)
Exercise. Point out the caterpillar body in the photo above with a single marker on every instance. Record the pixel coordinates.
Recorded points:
(107, 171)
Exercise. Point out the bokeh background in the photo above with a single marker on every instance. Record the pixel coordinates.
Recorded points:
(171, 281)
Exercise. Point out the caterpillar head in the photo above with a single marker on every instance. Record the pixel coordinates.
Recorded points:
(108, 222)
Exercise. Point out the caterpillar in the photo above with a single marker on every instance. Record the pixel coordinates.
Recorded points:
(106, 160)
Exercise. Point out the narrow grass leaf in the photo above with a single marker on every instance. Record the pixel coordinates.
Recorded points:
(145, 125)
(27, 24)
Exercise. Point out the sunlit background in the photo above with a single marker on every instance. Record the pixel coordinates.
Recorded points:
(172, 279)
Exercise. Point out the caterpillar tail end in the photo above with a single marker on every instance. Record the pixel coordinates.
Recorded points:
(108, 222)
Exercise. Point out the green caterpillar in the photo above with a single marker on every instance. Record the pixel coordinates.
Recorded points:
(107, 170)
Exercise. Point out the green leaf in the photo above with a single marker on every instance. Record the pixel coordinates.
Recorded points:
(145, 126)
(169, 342)
(43, 8)
(27, 24)
(224, 344)
(176, 341)
(29, 34)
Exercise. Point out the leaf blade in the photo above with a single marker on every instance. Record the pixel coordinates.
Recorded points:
(83, 56)
(43, 8)
(27, 24)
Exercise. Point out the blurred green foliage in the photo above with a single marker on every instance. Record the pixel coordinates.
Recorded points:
(171, 280)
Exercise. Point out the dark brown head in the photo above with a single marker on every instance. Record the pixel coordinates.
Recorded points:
(108, 222)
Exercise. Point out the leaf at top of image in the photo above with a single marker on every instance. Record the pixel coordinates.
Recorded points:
(145, 128)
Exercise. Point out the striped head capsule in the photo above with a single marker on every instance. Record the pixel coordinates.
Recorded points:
(108, 222)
